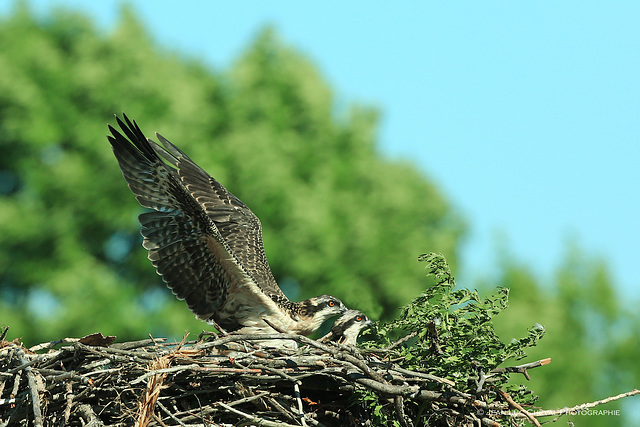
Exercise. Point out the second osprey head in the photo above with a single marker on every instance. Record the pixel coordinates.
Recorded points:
(347, 327)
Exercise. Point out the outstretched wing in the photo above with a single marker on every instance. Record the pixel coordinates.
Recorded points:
(184, 244)
(238, 225)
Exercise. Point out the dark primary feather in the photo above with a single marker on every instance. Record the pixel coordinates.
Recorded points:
(184, 234)
(238, 225)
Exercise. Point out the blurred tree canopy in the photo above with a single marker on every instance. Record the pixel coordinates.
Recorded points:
(338, 218)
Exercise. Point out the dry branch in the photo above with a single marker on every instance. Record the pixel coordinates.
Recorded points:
(522, 369)
(585, 406)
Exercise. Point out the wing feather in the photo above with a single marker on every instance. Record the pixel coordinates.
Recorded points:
(184, 243)
(238, 225)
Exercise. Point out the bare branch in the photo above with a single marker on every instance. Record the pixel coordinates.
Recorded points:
(34, 389)
(584, 406)
(522, 369)
(401, 340)
(87, 413)
(254, 419)
(515, 404)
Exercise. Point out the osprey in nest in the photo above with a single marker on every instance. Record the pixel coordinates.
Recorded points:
(347, 327)
(206, 243)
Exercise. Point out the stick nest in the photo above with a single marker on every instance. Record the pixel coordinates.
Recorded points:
(219, 381)
(231, 380)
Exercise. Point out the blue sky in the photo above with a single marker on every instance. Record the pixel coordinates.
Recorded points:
(526, 114)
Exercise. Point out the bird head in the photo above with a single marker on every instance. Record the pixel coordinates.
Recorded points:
(318, 309)
(324, 306)
(348, 326)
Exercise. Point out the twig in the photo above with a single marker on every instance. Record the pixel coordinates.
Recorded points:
(16, 384)
(259, 421)
(490, 423)
(583, 406)
(163, 371)
(100, 351)
(460, 399)
(338, 354)
(219, 328)
(277, 329)
(274, 371)
(399, 404)
(73, 376)
(87, 413)
(166, 411)
(207, 334)
(400, 341)
(522, 369)
(25, 363)
(390, 389)
(296, 392)
(422, 375)
(51, 344)
(33, 389)
(69, 402)
(432, 332)
(249, 398)
(137, 344)
(289, 413)
(309, 418)
(516, 405)
(14, 417)
(198, 368)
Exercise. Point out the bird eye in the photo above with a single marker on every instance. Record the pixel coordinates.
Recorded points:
(332, 303)
(358, 318)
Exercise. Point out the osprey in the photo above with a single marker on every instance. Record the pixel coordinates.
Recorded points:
(206, 243)
(347, 328)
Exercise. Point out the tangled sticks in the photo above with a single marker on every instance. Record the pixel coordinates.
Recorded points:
(225, 380)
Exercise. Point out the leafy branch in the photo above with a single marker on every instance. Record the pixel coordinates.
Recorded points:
(449, 333)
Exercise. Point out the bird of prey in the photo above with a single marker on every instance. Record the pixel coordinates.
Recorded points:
(347, 328)
(206, 243)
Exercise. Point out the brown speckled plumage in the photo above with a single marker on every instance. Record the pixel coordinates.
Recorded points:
(205, 242)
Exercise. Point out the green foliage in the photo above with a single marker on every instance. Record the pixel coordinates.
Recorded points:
(337, 217)
(450, 333)
(453, 330)
(592, 341)
(377, 413)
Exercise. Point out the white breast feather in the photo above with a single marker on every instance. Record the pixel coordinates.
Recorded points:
(247, 303)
